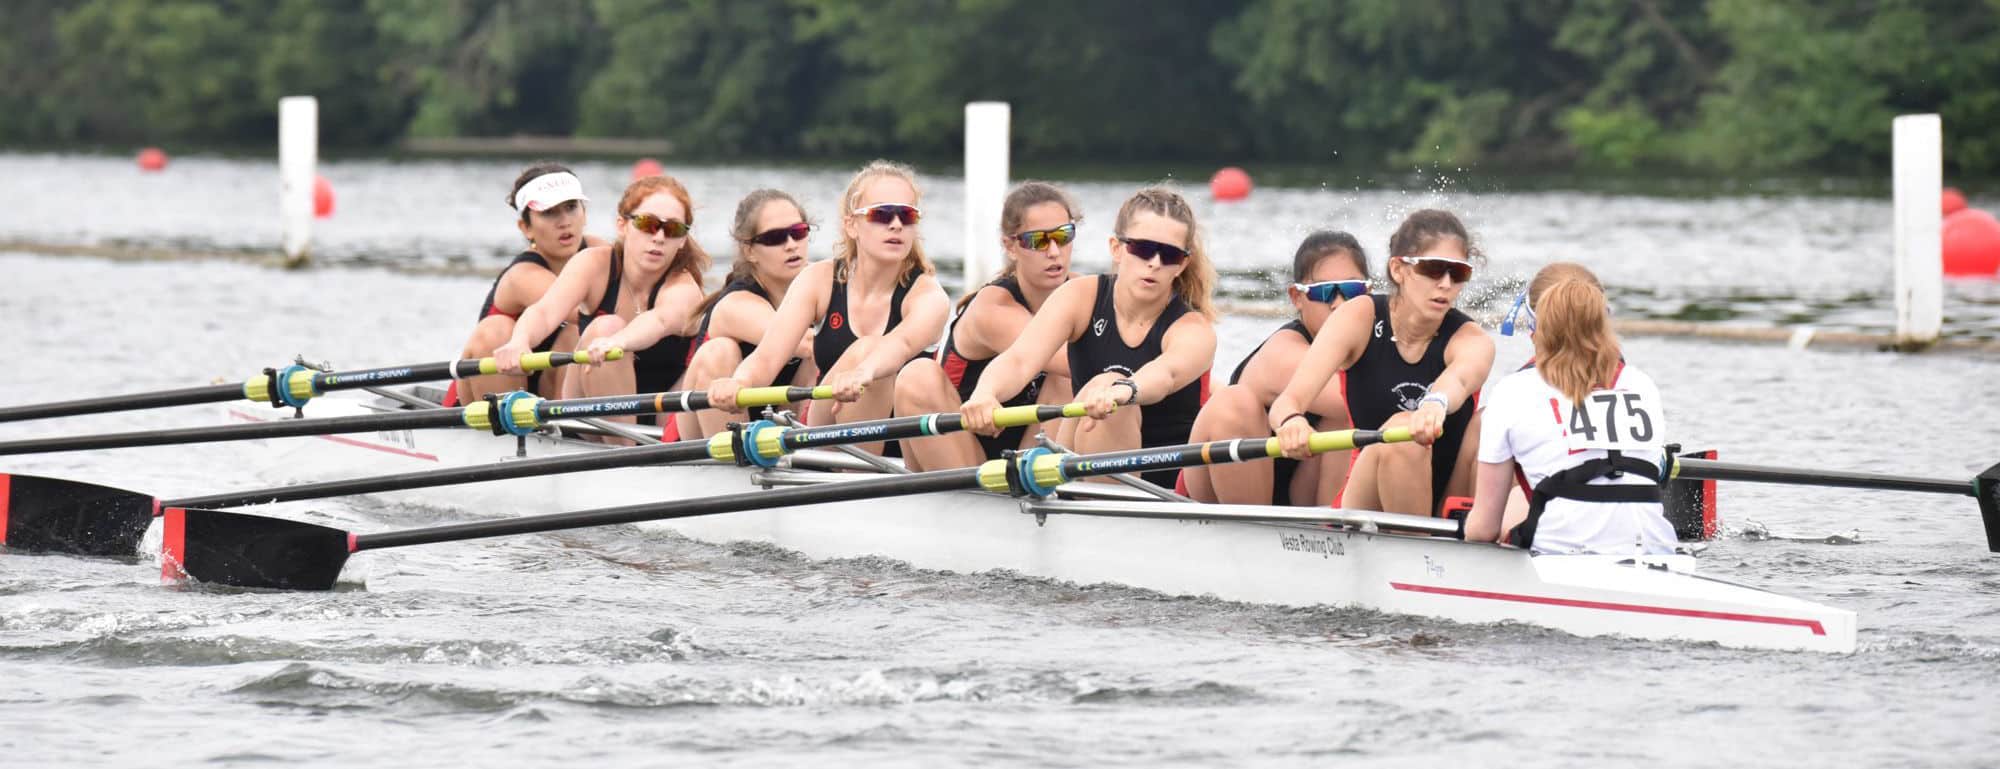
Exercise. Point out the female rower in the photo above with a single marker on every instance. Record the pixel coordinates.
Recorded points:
(1408, 358)
(1328, 269)
(874, 306)
(1037, 224)
(1142, 336)
(549, 200)
(770, 231)
(1580, 428)
(643, 289)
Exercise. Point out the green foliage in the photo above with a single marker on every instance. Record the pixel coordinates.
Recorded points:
(1602, 84)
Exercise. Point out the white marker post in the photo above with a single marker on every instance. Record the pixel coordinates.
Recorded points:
(298, 162)
(1919, 169)
(986, 127)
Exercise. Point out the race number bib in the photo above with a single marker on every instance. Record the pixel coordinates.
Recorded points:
(1620, 420)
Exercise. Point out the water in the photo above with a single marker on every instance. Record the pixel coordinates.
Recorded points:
(618, 647)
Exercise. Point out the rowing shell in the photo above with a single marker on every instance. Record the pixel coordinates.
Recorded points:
(1097, 533)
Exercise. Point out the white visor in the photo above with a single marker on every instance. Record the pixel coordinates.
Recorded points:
(548, 191)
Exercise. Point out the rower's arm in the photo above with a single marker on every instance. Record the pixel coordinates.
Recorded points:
(557, 304)
(1468, 358)
(672, 308)
(1271, 368)
(741, 316)
(1489, 501)
(1187, 351)
(991, 323)
(519, 288)
(795, 315)
(1060, 321)
(924, 311)
(1337, 345)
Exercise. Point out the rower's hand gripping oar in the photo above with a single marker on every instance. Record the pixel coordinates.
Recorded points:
(40, 514)
(516, 413)
(1985, 486)
(253, 551)
(292, 386)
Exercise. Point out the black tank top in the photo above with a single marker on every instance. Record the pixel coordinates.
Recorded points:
(785, 375)
(1102, 349)
(1294, 325)
(656, 368)
(964, 372)
(835, 335)
(493, 292)
(1381, 384)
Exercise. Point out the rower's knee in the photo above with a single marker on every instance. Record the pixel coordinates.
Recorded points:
(1231, 412)
(715, 359)
(492, 331)
(919, 387)
(1404, 454)
(600, 327)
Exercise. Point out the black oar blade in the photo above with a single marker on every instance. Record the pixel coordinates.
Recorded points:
(1987, 488)
(52, 515)
(222, 548)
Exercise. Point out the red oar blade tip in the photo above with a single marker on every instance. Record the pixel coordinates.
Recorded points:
(52, 515)
(239, 550)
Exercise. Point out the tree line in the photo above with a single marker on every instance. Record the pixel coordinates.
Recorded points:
(1727, 85)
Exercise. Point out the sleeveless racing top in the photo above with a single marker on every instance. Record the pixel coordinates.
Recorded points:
(493, 292)
(964, 372)
(1101, 349)
(656, 368)
(1381, 384)
(835, 335)
(786, 374)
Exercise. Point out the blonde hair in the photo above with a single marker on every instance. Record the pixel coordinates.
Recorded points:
(690, 258)
(1196, 283)
(845, 252)
(1575, 348)
(1013, 210)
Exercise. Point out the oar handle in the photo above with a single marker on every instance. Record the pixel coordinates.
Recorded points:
(1038, 472)
(767, 442)
(163, 398)
(521, 413)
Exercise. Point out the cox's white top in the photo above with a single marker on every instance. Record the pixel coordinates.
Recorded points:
(1538, 428)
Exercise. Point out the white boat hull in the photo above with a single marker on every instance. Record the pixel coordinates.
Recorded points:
(1277, 563)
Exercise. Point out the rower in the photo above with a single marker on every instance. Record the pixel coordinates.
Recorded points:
(1037, 226)
(770, 232)
(549, 201)
(1143, 336)
(1327, 269)
(643, 289)
(875, 306)
(1406, 359)
(1580, 429)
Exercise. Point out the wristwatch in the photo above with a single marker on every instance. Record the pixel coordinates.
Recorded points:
(1135, 391)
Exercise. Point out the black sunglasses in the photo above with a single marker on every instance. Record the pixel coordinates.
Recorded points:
(777, 237)
(1142, 248)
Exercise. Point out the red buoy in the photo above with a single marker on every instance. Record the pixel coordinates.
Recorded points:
(152, 159)
(646, 167)
(1971, 244)
(1230, 183)
(1954, 201)
(322, 197)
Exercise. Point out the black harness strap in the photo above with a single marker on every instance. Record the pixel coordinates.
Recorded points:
(1574, 483)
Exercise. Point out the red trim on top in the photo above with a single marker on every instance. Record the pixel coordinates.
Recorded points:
(954, 367)
(346, 441)
(1204, 387)
(1809, 624)
(173, 545)
(695, 346)
(492, 311)
(6, 498)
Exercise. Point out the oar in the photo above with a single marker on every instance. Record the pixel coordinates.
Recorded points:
(516, 413)
(294, 385)
(254, 551)
(1984, 487)
(54, 515)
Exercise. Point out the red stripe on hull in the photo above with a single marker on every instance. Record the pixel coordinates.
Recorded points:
(346, 441)
(1809, 624)
(6, 496)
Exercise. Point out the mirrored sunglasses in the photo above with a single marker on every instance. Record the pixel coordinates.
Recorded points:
(1436, 267)
(1037, 240)
(884, 213)
(651, 225)
(777, 237)
(1325, 291)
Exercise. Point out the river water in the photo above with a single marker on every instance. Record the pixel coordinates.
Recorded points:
(623, 648)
